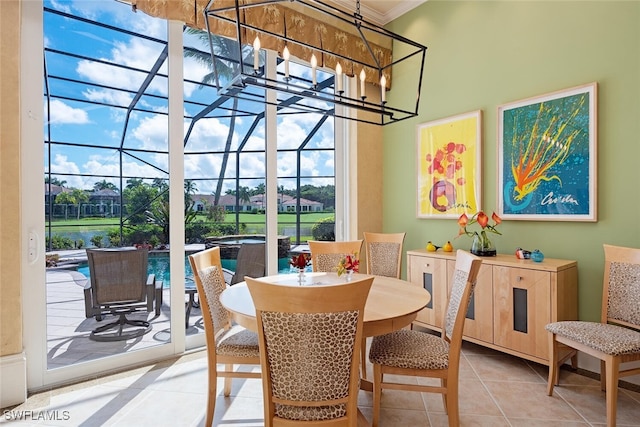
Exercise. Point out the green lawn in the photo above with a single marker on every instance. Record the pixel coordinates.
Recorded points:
(93, 224)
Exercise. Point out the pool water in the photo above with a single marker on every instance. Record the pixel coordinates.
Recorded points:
(159, 265)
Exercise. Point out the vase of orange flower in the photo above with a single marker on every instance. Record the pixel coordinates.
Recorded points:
(481, 245)
(348, 265)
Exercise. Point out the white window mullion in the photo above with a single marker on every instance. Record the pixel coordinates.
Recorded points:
(176, 182)
(271, 160)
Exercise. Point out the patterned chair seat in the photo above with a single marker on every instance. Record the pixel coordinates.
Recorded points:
(410, 350)
(238, 342)
(604, 337)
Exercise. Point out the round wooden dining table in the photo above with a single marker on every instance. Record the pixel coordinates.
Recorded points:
(392, 303)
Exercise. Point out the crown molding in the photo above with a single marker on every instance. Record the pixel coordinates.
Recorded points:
(379, 15)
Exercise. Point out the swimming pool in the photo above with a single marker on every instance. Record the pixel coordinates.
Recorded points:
(159, 265)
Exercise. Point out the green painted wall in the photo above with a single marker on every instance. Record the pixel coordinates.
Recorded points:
(483, 54)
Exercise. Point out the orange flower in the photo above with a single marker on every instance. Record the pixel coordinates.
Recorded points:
(482, 219)
(463, 220)
(496, 218)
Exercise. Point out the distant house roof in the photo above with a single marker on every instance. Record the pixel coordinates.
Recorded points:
(292, 201)
(225, 199)
(257, 200)
(55, 189)
(105, 193)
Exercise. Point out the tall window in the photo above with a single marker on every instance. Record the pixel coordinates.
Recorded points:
(106, 171)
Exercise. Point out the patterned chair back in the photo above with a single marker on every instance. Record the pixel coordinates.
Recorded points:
(621, 288)
(325, 256)
(463, 285)
(310, 341)
(384, 253)
(209, 278)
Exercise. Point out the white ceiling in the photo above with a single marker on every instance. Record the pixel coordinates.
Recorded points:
(379, 12)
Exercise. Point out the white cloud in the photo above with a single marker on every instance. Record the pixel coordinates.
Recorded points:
(62, 113)
(136, 53)
(108, 96)
(152, 132)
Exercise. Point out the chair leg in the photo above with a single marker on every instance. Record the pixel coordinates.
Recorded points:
(451, 395)
(553, 364)
(377, 394)
(363, 358)
(612, 367)
(211, 399)
(227, 381)
(603, 376)
(443, 384)
(574, 360)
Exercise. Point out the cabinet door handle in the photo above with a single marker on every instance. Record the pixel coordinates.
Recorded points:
(519, 278)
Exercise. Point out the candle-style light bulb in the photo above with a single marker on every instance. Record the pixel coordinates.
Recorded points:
(256, 53)
(339, 77)
(314, 64)
(362, 77)
(285, 55)
(383, 88)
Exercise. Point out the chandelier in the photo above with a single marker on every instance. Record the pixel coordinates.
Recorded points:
(348, 61)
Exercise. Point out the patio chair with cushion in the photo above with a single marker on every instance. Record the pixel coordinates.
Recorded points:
(250, 262)
(309, 345)
(119, 285)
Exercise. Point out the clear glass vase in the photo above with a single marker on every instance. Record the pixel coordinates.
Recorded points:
(482, 245)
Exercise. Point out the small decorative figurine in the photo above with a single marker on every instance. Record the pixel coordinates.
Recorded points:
(537, 256)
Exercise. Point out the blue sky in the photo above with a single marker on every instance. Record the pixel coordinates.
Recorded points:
(84, 123)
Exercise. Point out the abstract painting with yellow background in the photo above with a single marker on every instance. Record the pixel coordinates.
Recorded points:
(449, 166)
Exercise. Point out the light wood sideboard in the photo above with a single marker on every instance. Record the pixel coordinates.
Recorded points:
(513, 300)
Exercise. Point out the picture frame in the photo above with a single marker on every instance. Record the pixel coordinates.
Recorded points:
(547, 148)
(449, 166)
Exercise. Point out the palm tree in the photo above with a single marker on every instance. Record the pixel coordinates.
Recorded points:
(104, 185)
(75, 197)
(224, 49)
(54, 181)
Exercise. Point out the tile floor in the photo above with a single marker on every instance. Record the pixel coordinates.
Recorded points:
(496, 390)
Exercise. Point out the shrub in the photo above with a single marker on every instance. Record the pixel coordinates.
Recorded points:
(324, 229)
(59, 242)
(97, 240)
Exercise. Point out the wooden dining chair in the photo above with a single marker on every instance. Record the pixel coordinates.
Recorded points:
(309, 345)
(325, 256)
(384, 258)
(227, 344)
(415, 353)
(616, 338)
(384, 253)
